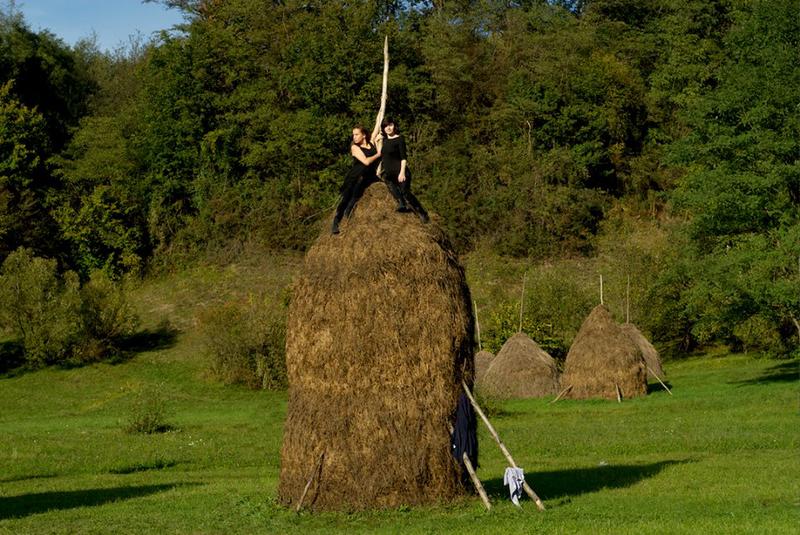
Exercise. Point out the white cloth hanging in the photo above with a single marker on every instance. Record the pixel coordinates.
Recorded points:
(514, 478)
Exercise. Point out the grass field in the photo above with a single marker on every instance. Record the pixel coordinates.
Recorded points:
(722, 455)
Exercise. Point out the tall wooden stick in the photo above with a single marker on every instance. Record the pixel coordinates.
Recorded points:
(474, 477)
(477, 325)
(496, 437)
(562, 393)
(659, 379)
(619, 393)
(601, 289)
(628, 301)
(522, 301)
(377, 137)
(317, 468)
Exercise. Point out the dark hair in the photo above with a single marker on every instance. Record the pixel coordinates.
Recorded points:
(364, 131)
(387, 121)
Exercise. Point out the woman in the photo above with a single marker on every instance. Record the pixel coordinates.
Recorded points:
(395, 167)
(362, 173)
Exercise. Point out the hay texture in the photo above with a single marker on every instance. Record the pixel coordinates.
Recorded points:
(379, 337)
(483, 359)
(601, 357)
(649, 352)
(521, 369)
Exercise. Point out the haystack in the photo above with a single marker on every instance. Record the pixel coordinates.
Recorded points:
(483, 359)
(602, 358)
(521, 369)
(379, 337)
(649, 353)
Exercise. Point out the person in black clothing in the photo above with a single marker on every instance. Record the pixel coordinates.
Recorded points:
(362, 173)
(396, 173)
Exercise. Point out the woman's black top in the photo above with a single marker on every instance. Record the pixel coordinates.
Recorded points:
(359, 169)
(392, 153)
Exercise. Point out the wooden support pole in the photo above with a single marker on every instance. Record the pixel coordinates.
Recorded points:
(477, 325)
(496, 437)
(474, 477)
(601, 289)
(317, 468)
(619, 393)
(659, 379)
(562, 393)
(522, 301)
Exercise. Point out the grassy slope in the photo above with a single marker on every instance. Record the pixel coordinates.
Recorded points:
(721, 455)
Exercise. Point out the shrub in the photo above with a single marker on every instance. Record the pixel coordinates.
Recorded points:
(53, 318)
(246, 342)
(39, 307)
(149, 411)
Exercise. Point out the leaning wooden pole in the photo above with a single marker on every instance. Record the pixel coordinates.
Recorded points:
(317, 468)
(659, 380)
(505, 451)
(474, 477)
(477, 325)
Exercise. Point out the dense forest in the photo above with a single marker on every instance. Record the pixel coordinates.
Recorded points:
(535, 129)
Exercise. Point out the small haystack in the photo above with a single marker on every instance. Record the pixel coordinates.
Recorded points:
(602, 358)
(379, 337)
(483, 359)
(521, 369)
(651, 358)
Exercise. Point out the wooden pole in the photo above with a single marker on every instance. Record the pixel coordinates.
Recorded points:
(317, 468)
(474, 477)
(477, 325)
(377, 137)
(522, 301)
(601, 289)
(562, 393)
(628, 301)
(619, 393)
(659, 379)
(496, 437)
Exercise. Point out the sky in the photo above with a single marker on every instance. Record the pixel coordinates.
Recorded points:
(113, 21)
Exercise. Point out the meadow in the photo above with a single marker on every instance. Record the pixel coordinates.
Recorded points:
(720, 455)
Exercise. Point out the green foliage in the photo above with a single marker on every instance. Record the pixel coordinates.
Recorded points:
(149, 411)
(246, 342)
(40, 307)
(55, 320)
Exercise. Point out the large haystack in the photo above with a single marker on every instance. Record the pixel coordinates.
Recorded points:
(601, 358)
(378, 340)
(483, 359)
(650, 354)
(521, 369)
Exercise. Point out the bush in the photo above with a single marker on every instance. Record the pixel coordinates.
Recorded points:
(53, 318)
(246, 342)
(149, 411)
(39, 307)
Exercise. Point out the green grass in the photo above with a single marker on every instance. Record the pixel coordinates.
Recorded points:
(719, 456)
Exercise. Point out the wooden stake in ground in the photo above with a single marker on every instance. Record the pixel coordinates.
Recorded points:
(317, 468)
(522, 301)
(659, 379)
(562, 393)
(496, 437)
(474, 477)
(477, 325)
(619, 393)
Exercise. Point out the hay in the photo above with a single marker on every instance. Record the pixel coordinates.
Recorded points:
(601, 357)
(483, 359)
(521, 369)
(650, 354)
(379, 337)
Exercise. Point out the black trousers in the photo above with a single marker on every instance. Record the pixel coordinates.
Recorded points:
(352, 190)
(401, 191)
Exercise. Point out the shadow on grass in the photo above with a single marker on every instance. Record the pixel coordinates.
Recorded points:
(143, 467)
(654, 388)
(163, 336)
(11, 357)
(565, 483)
(25, 478)
(785, 372)
(40, 502)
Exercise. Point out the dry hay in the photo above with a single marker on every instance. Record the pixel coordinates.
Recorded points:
(601, 358)
(651, 358)
(379, 337)
(483, 359)
(521, 369)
